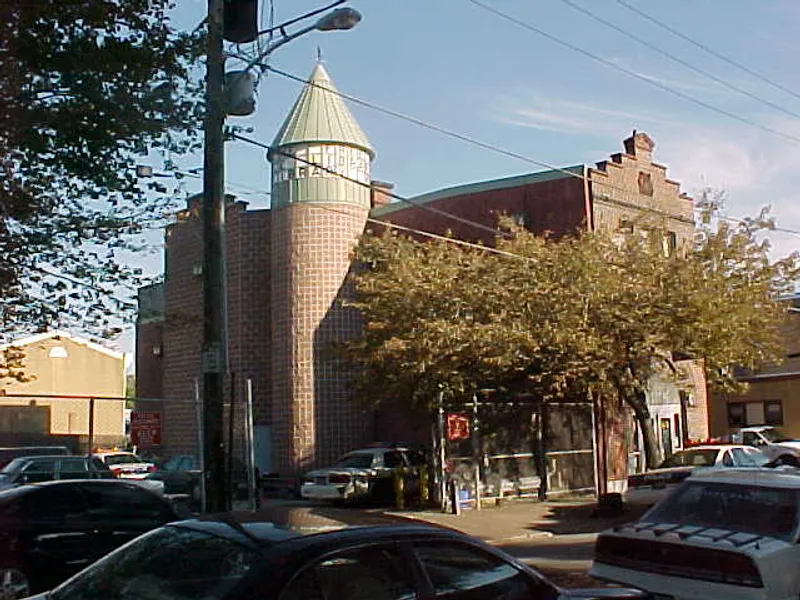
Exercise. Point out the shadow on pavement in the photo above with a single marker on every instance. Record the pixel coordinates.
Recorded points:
(567, 519)
(307, 516)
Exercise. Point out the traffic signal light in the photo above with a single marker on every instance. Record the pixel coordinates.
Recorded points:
(240, 21)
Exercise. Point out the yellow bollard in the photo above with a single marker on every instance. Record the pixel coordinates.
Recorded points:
(423, 486)
(399, 489)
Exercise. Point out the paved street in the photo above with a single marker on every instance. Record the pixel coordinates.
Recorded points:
(556, 537)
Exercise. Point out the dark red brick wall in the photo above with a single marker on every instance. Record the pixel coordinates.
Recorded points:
(183, 331)
(248, 273)
(558, 206)
(149, 364)
(248, 301)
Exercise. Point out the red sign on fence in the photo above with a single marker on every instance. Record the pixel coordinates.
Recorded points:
(145, 429)
(457, 426)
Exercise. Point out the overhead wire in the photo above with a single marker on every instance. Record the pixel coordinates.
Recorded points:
(433, 209)
(449, 133)
(708, 49)
(389, 224)
(680, 61)
(649, 80)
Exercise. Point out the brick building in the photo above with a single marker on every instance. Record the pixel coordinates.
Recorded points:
(286, 267)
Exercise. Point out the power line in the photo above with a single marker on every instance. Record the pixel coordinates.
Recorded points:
(639, 76)
(87, 285)
(680, 61)
(706, 48)
(429, 234)
(449, 133)
(788, 230)
(432, 209)
(419, 232)
(438, 129)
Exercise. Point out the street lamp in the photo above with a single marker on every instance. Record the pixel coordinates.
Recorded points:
(214, 353)
(240, 85)
(341, 18)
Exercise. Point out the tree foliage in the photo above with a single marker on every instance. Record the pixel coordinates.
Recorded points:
(87, 88)
(571, 317)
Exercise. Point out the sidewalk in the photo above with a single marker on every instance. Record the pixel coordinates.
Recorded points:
(520, 520)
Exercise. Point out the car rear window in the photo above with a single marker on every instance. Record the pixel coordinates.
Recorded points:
(122, 459)
(355, 461)
(692, 458)
(758, 510)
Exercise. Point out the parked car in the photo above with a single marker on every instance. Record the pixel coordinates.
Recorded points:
(35, 469)
(365, 473)
(9, 454)
(49, 531)
(646, 489)
(729, 533)
(771, 440)
(126, 465)
(261, 560)
(181, 475)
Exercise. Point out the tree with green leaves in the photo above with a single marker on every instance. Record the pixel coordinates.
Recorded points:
(574, 317)
(87, 89)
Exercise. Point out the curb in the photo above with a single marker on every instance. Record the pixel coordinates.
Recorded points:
(454, 527)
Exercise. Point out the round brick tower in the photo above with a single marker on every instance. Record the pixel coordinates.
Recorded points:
(317, 218)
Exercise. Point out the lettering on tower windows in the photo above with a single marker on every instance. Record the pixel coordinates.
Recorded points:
(326, 161)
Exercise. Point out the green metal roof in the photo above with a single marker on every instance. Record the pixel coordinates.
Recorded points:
(320, 115)
(481, 186)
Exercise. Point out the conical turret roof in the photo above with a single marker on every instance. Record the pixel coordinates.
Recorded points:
(320, 115)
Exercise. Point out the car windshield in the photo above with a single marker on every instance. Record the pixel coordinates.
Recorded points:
(355, 461)
(14, 466)
(774, 435)
(758, 510)
(122, 459)
(706, 457)
(146, 569)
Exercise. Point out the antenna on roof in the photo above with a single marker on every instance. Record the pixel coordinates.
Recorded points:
(319, 54)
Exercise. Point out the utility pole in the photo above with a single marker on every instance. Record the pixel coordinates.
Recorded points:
(214, 354)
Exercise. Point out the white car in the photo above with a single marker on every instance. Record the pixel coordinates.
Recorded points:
(729, 534)
(366, 473)
(645, 489)
(126, 465)
(771, 440)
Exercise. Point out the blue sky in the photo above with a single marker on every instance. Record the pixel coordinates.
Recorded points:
(455, 65)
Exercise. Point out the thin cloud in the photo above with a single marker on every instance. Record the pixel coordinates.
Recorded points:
(705, 86)
(565, 116)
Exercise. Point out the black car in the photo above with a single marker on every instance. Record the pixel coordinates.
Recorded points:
(49, 531)
(9, 454)
(223, 560)
(35, 469)
(181, 475)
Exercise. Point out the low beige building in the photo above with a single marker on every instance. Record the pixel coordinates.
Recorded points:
(773, 394)
(64, 371)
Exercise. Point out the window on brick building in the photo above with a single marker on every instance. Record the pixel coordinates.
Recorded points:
(645, 184)
(745, 414)
(773, 412)
(625, 226)
(670, 243)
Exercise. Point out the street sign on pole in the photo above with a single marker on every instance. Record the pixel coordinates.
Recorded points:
(145, 429)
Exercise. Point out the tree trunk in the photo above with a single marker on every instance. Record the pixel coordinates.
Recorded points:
(651, 452)
(638, 403)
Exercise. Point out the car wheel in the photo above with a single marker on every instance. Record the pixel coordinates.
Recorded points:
(14, 584)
